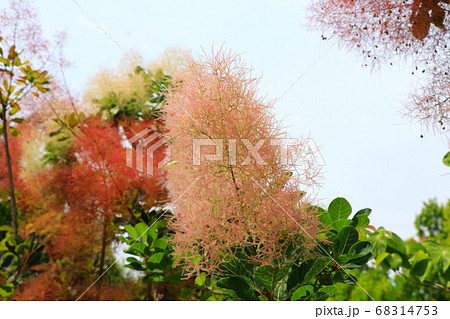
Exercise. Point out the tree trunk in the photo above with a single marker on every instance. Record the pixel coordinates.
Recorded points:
(10, 174)
(103, 249)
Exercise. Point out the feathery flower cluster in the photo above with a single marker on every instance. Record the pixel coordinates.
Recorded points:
(415, 31)
(247, 191)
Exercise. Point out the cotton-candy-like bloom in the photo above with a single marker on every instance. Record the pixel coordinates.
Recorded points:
(231, 199)
(388, 31)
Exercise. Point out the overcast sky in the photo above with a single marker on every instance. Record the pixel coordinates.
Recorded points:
(374, 157)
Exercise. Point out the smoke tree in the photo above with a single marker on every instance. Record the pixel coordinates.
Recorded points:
(233, 199)
(384, 31)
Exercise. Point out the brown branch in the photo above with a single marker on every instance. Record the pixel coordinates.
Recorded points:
(10, 172)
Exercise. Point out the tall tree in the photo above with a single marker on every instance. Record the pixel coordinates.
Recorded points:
(18, 79)
(434, 221)
(86, 189)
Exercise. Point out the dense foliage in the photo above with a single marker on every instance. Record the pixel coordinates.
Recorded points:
(417, 269)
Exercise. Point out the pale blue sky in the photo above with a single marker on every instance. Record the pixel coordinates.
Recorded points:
(374, 157)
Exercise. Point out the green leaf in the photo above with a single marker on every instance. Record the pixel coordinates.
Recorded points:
(7, 260)
(156, 258)
(185, 292)
(141, 228)
(137, 247)
(439, 254)
(72, 120)
(269, 276)
(135, 266)
(6, 290)
(380, 258)
(344, 277)
(345, 258)
(170, 164)
(359, 254)
(153, 277)
(297, 274)
(325, 219)
(379, 242)
(153, 230)
(329, 290)
(419, 269)
(4, 61)
(10, 244)
(319, 265)
(360, 221)
(347, 237)
(394, 260)
(14, 131)
(361, 247)
(6, 228)
(281, 292)
(364, 211)
(134, 260)
(353, 261)
(131, 231)
(301, 292)
(205, 295)
(236, 265)
(446, 159)
(160, 244)
(412, 247)
(200, 280)
(149, 240)
(237, 288)
(15, 108)
(174, 278)
(339, 224)
(18, 120)
(396, 244)
(339, 209)
(37, 258)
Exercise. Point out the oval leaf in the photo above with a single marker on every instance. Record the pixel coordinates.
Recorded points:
(302, 292)
(339, 209)
(446, 159)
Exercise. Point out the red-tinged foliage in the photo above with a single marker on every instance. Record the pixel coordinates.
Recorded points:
(72, 238)
(63, 280)
(77, 203)
(98, 181)
(383, 30)
(46, 222)
(74, 245)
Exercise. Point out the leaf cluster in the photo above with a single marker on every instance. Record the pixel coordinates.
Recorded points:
(313, 278)
(19, 259)
(18, 79)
